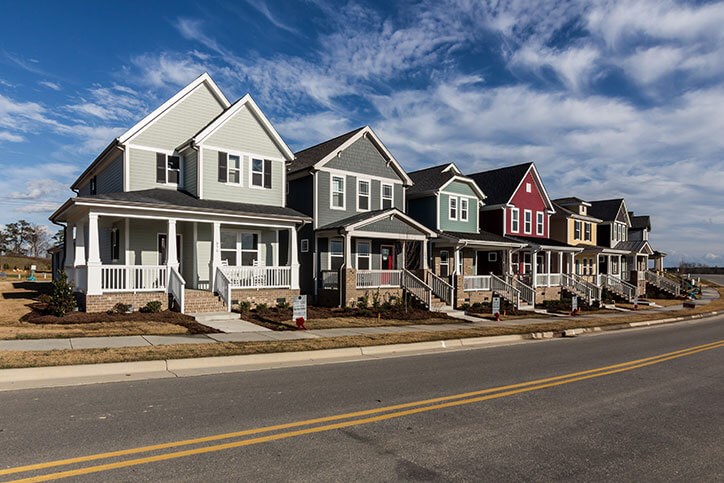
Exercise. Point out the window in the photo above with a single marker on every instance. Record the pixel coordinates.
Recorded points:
(387, 196)
(527, 268)
(305, 245)
(115, 244)
(167, 169)
(540, 263)
(528, 188)
(444, 263)
(261, 173)
(93, 185)
(234, 165)
(539, 223)
(576, 230)
(514, 220)
(364, 258)
(336, 254)
(492, 256)
(578, 267)
(453, 205)
(614, 266)
(463, 209)
(363, 195)
(587, 232)
(338, 192)
(527, 221)
(239, 248)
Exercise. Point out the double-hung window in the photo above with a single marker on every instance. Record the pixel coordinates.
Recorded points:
(527, 221)
(234, 169)
(239, 248)
(261, 173)
(576, 230)
(463, 209)
(539, 222)
(587, 232)
(453, 205)
(338, 192)
(444, 263)
(387, 194)
(168, 169)
(364, 257)
(514, 220)
(336, 253)
(363, 195)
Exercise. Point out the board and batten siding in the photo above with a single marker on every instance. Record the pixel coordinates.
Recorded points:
(241, 193)
(182, 121)
(243, 132)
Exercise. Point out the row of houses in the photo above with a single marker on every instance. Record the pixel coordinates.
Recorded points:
(203, 203)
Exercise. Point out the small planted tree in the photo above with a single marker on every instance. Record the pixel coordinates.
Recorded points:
(62, 300)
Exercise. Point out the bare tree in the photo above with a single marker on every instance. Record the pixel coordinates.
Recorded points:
(38, 240)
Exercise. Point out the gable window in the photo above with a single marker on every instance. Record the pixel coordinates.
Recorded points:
(338, 192)
(514, 220)
(453, 207)
(463, 209)
(93, 185)
(115, 244)
(527, 221)
(261, 173)
(167, 169)
(363, 195)
(386, 196)
(234, 169)
(363, 255)
(539, 223)
(587, 232)
(576, 230)
(336, 253)
(528, 188)
(304, 245)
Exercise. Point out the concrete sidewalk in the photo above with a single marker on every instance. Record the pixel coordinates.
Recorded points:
(268, 335)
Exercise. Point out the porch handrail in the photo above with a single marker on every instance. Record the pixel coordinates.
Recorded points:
(662, 282)
(441, 289)
(416, 287)
(576, 286)
(595, 290)
(222, 285)
(621, 287)
(177, 287)
(134, 278)
(476, 282)
(258, 277)
(378, 278)
(527, 293)
(505, 289)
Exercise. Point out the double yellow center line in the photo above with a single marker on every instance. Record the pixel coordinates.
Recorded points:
(329, 423)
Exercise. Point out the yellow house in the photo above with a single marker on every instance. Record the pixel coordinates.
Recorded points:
(572, 224)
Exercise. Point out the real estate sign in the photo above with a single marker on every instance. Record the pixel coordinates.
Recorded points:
(300, 308)
(496, 305)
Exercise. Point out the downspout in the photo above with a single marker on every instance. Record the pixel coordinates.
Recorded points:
(65, 242)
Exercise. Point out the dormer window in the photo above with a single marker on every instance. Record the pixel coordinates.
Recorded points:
(168, 169)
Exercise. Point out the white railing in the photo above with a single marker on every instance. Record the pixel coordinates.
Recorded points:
(222, 286)
(577, 286)
(330, 279)
(416, 287)
(527, 293)
(641, 275)
(177, 288)
(258, 277)
(555, 280)
(662, 282)
(594, 290)
(616, 285)
(547, 279)
(133, 278)
(505, 290)
(378, 278)
(441, 289)
(476, 282)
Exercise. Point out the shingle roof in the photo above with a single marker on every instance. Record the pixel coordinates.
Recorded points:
(640, 222)
(166, 198)
(562, 210)
(429, 179)
(306, 158)
(607, 210)
(500, 184)
(482, 236)
(634, 246)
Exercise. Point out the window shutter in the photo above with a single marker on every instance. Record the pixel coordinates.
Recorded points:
(267, 173)
(160, 168)
(222, 167)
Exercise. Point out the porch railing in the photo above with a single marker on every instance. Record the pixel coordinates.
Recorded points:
(440, 288)
(618, 286)
(505, 289)
(476, 282)
(133, 278)
(662, 282)
(527, 293)
(547, 279)
(595, 290)
(258, 277)
(577, 286)
(330, 279)
(378, 278)
(177, 288)
(416, 287)
(222, 285)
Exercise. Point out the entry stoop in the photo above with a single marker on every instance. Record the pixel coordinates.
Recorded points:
(202, 301)
(227, 322)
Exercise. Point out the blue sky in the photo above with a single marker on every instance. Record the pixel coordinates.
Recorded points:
(609, 98)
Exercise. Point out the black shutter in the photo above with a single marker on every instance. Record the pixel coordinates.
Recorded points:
(267, 173)
(222, 167)
(160, 168)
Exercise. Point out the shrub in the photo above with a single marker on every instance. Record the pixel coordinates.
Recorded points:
(364, 301)
(120, 308)
(62, 299)
(283, 305)
(244, 307)
(376, 300)
(6, 266)
(262, 308)
(152, 307)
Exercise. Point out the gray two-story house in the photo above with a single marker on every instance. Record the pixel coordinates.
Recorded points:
(188, 202)
(361, 241)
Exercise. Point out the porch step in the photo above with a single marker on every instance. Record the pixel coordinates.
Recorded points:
(227, 322)
(202, 301)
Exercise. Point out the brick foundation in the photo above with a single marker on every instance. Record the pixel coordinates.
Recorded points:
(106, 302)
(476, 296)
(269, 296)
(547, 293)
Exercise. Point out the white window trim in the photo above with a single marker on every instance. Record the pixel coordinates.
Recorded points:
(450, 207)
(344, 192)
(369, 194)
(528, 188)
(515, 220)
(464, 211)
(447, 263)
(251, 172)
(382, 195)
(357, 256)
(304, 245)
(240, 251)
(588, 231)
(540, 222)
(492, 256)
(329, 252)
(241, 169)
(528, 220)
(180, 169)
(580, 230)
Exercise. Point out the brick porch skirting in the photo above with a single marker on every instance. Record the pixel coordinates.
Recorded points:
(475, 296)
(106, 302)
(547, 293)
(268, 296)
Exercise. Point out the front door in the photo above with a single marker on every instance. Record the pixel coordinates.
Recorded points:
(163, 249)
(388, 257)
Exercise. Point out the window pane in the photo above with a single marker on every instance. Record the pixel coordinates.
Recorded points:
(234, 162)
(228, 240)
(363, 248)
(248, 258)
(173, 176)
(248, 241)
(173, 162)
(387, 190)
(364, 203)
(233, 176)
(363, 263)
(336, 262)
(229, 256)
(338, 199)
(336, 247)
(364, 188)
(257, 165)
(337, 184)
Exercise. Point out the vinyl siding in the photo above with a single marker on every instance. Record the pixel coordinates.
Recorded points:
(203, 254)
(243, 132)
(424, 211)
(108, 180)
(144, 244)
(181, 122)
(362, 157)
(395, 227)
(190, 172)
(142, 166)
(446, 224)
(213, 190)
(460, 188)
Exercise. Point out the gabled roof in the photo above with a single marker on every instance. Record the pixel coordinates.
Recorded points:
(635, 246)
(571, 200)
(642, 222)
(318, 155)
(436, 178)
(562, 210)
(362, 219)
(608, 210)
(481, 238)
(500, 185)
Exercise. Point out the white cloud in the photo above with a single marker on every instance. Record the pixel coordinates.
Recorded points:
(51, 85)
(10, 137)
(167, 69)
(262, 7)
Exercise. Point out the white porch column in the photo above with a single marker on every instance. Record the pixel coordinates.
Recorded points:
(548, 267)
(171, 248)
(510, 261)
(79, 250)
(127, 251)
(94, 256)
(456, 260)
(608, 265)
(215, 252)
(425, 265)
(294, 258)
(534, 268)
(348, 252)
(572, 267)
(560, 262)
(404, 256)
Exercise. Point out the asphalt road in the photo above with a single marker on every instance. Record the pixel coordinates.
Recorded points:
(661, 421)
